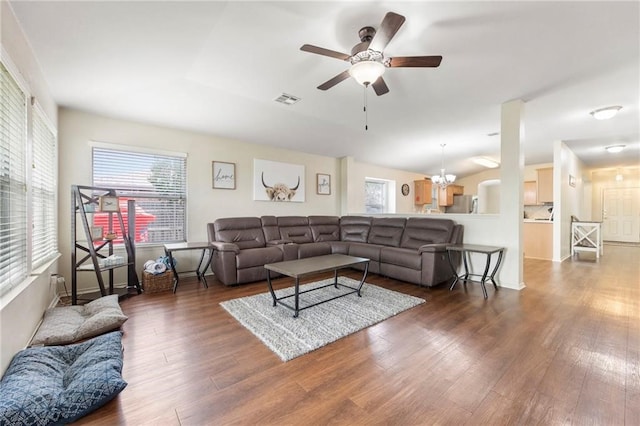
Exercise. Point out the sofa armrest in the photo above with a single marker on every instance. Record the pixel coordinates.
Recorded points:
(433, 248)
(278, 242)
(220, 246)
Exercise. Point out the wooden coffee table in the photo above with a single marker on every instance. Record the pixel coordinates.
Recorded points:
(314, 265)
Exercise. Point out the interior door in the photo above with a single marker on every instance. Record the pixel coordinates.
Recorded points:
(621, 214)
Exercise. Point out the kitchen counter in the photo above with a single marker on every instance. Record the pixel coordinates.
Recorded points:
(538, 239)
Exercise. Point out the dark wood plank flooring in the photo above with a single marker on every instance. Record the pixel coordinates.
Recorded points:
(565, 350)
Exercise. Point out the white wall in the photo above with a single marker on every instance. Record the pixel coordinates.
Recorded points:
(22, 308)
(567, 199)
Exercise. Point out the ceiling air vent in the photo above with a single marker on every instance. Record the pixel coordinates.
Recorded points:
(287, 99)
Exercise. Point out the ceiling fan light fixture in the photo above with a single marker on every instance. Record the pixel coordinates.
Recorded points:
(366, 72)
(486, 162)
(605, 113)
(613, 149)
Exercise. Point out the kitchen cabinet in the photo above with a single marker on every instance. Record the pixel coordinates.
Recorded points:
(423, 191)
(530, 193)
(445, 195)
(538, 239)
(545, 185)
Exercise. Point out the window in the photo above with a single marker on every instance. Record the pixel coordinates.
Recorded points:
(156, 181)
(379, 196)
(43, 191)
(13, 183)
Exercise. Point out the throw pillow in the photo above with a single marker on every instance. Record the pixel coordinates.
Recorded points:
(60, 384)
(69, 324)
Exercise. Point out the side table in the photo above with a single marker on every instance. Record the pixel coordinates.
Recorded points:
(465, 249)
(169, 248)
(586, 236)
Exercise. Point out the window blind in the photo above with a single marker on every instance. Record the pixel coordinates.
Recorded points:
(13, 196)
(158, 184)
(43, 187)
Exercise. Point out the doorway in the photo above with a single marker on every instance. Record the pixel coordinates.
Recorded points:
(621, 214)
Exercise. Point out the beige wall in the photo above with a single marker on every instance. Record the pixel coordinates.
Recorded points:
(471, 182)
(355, 175)
(568, 200)
(204, 204)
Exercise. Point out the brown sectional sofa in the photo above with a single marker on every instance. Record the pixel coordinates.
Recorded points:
(408, 249)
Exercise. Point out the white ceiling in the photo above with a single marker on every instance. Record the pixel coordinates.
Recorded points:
(216, 67)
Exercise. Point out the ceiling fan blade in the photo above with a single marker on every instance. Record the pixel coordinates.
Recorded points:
(388, 28)
(326, 52)
(335, 80)
(415, 61)
(380, 87)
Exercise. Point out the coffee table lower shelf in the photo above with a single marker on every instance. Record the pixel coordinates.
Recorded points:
(297, 269)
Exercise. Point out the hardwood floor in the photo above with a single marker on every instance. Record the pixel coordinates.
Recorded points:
(565, 350)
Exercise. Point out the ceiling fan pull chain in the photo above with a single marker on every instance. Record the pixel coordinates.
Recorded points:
(366, 114)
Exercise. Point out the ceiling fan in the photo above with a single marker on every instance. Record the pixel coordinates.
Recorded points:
(368, 62)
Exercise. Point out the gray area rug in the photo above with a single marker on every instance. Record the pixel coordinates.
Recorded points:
(320, 325)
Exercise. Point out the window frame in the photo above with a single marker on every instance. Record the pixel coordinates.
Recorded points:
(389, 202)
(140, 194)
(48, 186)
(25, 272)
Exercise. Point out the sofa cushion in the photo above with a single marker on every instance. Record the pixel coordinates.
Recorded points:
(295, 228)
(60, 384)
(68, 324)
(386, 231)
(313, 249)
(325, 228)
(419, 231)
(370, 251)
(258, 256)
(355, 228)
(408, 258)
(245, 232)
(270, 228)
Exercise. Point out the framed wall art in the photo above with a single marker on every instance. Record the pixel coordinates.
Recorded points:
(323, 184)
(223, 175)
(275, 181)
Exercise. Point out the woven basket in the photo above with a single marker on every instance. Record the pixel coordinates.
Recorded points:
(155, 283)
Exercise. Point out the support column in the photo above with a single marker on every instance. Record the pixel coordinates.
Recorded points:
(346, 179)
(511, 189)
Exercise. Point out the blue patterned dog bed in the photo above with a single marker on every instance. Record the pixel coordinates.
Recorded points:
(59, 384)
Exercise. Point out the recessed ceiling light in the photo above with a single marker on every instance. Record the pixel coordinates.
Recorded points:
(615, 148)
(486, 162)
(605, 113)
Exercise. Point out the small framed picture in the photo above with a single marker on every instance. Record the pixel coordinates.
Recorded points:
(223, 175)
(96, 233)
(109, 203)
(323, 184)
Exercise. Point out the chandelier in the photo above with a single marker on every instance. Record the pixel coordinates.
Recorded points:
(443, 180)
